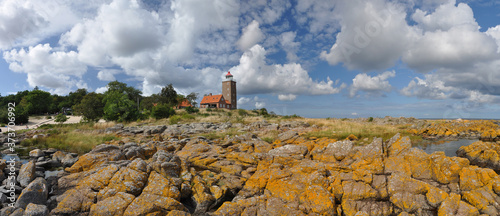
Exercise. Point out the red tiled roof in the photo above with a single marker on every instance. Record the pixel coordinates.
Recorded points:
(228, 102)
(228, 74)
(211, 99)
(185, 103)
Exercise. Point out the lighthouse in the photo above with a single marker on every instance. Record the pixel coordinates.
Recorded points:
(229, 90)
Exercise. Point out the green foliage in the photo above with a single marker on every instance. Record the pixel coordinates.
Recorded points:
(168, 95)
(242, 112)
(191, 110)
(187, 116)
(162, 111)
(21, 115)
(209, 110)
(132, 93)
(91, 107)
(370, 119)
(61, 118)
(290, 116)
(174, 119)
(192, 98)
(268, 139)
(37, 102)
(48, 117)
(118, 107)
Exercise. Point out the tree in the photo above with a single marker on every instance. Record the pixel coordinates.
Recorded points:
(162, 111)
(118, 107)
(120, 102)
(132, 93)
(192, 98)
(21, 115)
(37, 102)
(168, 95)
(91, 107)
(61, 118)
(76, 97)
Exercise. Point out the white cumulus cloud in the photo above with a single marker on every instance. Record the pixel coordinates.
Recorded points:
(255, 76)
(251, 36)
(376, 85)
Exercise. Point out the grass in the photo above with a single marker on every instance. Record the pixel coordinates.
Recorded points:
(76, 142)
(221, 135)
(342, 128)
(64, 137)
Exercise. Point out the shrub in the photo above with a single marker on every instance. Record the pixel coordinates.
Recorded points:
(61, 118)
(48, 117)
(162, 111)
(174, 119)
(192, 110)
(209, 110)
(242, 112)
(370, 119)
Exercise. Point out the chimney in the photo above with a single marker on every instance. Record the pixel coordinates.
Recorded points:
(210, 94)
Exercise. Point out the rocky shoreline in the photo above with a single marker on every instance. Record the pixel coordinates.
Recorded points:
(172, 171)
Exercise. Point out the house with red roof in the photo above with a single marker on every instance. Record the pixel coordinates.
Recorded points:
(183, 104)
(226, 100)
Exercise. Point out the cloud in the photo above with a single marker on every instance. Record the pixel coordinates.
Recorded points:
(374, 86)
(255, 76)
(445, 17)
(27, 22)
(243, 100)
(373, 35)
(287, 97)
(494, 32)
(433, 86)
(251, 36)
(107, 74)
(259, 105)
(60, 71)
(101, 89)
(354, 114)
(429, 88)
(287, 41)
(318, 15)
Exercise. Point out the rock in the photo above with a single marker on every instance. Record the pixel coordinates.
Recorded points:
(49, 164)
(26, 173)
(36, 153)
(161, 194)
(130, 179)
(483, 154)
(69, 160)
(454, 206)
(294, 151)
(36, 192)
(287, 135)
(18, 212)
(7, 211)
(58, 155)
(36, 210)
(115, 205)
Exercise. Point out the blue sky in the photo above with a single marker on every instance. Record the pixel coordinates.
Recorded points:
(359, 58)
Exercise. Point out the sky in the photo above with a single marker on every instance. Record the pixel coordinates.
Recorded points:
(313, 58)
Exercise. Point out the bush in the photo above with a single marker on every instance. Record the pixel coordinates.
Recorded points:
(61, 118)
(370, 119)
(187, 116)
(48, 117)
(174, 119)
(162, 111)
(242, 112)
(209, 110)
(191, 110)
